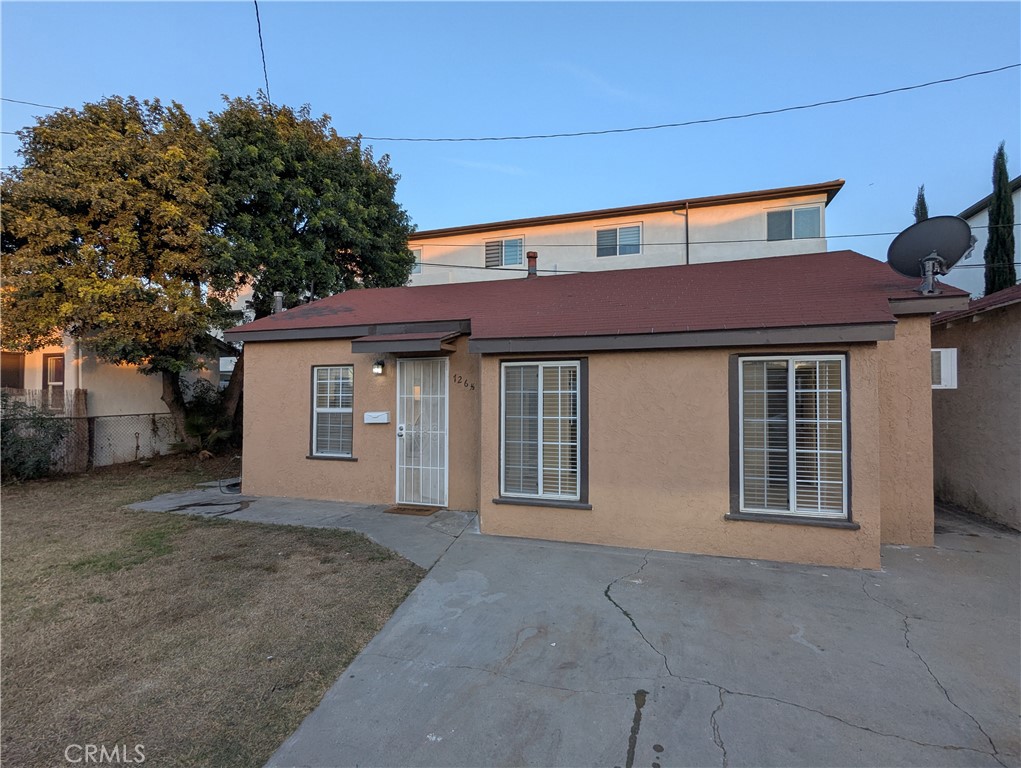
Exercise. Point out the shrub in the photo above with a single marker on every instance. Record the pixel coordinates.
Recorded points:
(28, 440)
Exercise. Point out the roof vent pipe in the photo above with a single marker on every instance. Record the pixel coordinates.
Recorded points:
(278, 301)
(532, 258)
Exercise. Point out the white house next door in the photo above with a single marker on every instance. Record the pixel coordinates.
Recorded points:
(422, 432)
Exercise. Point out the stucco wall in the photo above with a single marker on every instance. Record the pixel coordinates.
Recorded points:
(659, 463)
(719, 233)
(277, 416)
(905, 427)
(977, 427)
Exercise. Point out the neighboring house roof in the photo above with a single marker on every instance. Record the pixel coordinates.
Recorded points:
(982, 204)
(829, 187)
(837, 296)
(1002, 298)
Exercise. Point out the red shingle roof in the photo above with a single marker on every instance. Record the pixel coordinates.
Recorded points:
(994, 300)
(821, 289)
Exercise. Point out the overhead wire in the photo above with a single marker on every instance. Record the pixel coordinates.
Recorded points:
(262, 50)
(703, 121)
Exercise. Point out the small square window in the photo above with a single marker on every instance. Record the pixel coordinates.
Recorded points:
(794, 223)
(944, 368)
(619, 241)
(505, 253)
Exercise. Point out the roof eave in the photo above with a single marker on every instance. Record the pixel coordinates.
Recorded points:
(829, 187)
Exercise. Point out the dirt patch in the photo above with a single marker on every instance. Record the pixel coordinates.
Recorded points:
(205, 640)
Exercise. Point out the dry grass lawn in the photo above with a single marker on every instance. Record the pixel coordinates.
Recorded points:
(206, 641)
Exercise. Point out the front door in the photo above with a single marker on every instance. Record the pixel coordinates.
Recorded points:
(422, 432)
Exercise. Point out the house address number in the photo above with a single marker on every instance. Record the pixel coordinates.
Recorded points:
(459, 379)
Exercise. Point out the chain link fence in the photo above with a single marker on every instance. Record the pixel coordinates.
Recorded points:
(98, 441)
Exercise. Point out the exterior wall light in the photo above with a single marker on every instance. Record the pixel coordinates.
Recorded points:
(377, 367)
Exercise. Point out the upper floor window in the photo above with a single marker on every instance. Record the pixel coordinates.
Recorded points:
(794, 223)
(416, 268)
(619, 241)
(505, 253)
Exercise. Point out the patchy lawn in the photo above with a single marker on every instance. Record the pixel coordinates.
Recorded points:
(206, 641)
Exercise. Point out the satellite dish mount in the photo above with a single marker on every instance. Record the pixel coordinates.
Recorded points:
(930, 248)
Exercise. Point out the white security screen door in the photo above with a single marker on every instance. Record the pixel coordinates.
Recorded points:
(422, 432)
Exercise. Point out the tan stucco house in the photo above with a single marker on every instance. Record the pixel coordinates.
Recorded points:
(775, 408)
(976, 406)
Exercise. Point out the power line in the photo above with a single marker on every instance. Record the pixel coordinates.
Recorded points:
(478, 244)
(29, 103)
(262, 50)
(697, 122)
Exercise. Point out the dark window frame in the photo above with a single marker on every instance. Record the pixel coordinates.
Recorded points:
(735, 412)
(582, 501)
(313, 410)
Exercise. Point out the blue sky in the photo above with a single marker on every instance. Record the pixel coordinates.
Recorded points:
(492, 69)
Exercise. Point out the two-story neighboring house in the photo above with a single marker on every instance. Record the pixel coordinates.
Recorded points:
(745, 225)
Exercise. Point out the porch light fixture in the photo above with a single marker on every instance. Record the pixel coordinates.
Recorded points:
(377, 367)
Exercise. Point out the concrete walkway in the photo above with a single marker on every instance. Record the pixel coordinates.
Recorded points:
(516, 652)
(422, 540)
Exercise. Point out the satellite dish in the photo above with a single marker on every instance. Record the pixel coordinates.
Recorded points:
(929, 248)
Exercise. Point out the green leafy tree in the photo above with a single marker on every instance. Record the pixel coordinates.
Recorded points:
(105, 239)
(921, 210)
(999, 253)
(301, 210)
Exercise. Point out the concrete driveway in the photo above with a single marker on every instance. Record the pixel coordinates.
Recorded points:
(515, 652)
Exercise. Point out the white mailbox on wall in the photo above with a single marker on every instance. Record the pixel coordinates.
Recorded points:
(377, 417)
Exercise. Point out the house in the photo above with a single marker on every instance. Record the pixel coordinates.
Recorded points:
(973, 277)
(127, 419)
(763, 408)
(746, 225)
(976, 406)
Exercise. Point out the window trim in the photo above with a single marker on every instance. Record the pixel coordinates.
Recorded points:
(416, 267)
(737, 509)
(503, 251)
(947, 367)
(314, 420)
(616, 228)
(579, 501)
(791, 209)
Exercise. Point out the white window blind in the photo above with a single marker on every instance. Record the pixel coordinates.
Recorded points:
(793, 436)
(540, 430)
(332, 417)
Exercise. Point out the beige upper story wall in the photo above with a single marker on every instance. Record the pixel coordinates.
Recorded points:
(718, 233)
(278, 415)
(977, 427)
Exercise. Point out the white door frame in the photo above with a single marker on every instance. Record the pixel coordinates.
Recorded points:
(401, 362)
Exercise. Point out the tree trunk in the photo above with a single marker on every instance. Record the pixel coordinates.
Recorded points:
(174, 399)
(232, 395)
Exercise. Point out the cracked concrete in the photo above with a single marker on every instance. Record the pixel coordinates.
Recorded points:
(515, 652)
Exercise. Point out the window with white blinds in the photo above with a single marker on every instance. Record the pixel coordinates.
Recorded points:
(332, 416)
(505, 253)
(794, 436)
(619, 241)
(540, 451)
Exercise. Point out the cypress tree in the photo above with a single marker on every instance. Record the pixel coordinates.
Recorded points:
(999, 254)
(921, 209)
